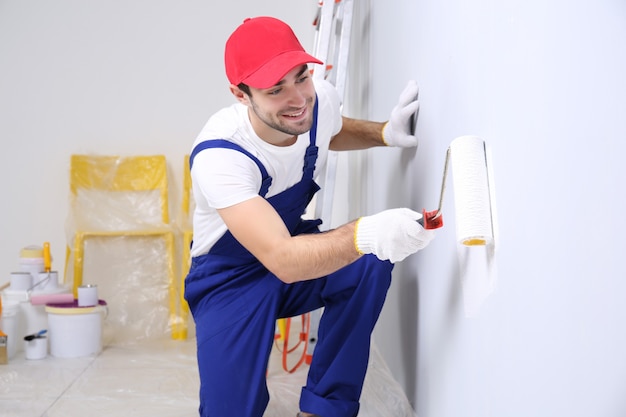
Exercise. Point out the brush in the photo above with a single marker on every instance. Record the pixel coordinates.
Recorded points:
(38, 335)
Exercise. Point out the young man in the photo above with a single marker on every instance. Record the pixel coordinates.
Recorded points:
(254, 259)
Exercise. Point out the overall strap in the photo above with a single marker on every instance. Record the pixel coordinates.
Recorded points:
(222, 143)
(310, 156)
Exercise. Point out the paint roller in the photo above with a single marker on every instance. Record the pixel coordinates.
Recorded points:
(43, 299)
(47, 262)
(472, 191)
(467, 154)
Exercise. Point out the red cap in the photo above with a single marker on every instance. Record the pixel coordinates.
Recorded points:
(261, 51)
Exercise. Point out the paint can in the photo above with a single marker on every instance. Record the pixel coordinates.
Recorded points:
(36, 349)
(75, 331)
(21, 281)
(87, 295)
(46, 281)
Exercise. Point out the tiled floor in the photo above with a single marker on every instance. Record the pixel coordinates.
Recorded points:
(140, 372)
(157, 379)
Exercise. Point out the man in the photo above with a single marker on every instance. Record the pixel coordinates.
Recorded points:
(254, 259)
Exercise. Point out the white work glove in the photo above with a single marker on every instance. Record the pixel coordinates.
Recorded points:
(397, 131)
(391, 234)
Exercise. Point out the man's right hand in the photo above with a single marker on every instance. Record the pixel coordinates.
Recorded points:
(391, 234)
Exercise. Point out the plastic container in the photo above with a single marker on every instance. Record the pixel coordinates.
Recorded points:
(10, 324)
(75, 331)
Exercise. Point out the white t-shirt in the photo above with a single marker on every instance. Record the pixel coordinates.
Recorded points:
(225, 177)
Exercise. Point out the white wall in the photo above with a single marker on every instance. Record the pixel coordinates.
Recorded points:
(119, 77)
(543, 84)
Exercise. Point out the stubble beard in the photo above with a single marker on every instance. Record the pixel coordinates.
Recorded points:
(277, 124)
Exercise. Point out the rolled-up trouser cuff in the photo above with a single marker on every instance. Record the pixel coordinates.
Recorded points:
(324, 407)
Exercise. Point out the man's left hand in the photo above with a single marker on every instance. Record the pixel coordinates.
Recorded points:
(397, 131)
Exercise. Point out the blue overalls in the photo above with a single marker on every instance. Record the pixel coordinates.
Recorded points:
(235, 302)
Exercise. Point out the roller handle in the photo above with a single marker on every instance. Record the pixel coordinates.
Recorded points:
(431, 219)
(47, 259)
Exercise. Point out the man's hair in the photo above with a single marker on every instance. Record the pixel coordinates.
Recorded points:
(245, 88)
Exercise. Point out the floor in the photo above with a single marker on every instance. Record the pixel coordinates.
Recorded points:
(140, 371)
(157, 379)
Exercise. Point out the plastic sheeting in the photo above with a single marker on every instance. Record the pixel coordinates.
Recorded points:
(133, 272)
(131, 277)
(382, 395)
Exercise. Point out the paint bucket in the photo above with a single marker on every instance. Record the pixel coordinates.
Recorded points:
(32, 317)
(88, 295)
(46, 281)
(36, 349)
(10, 325)
(31, 260)
(21, 281)
(75, 331)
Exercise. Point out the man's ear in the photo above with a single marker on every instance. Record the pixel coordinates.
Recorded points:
(240, 95)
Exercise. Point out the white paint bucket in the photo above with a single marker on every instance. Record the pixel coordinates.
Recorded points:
(33, 318)
(87, 295)
(75, 331)
(21, 281)
(46, 281)
(36, 349)
(9, 324)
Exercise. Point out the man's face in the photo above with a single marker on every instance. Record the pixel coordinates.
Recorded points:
(285, 110)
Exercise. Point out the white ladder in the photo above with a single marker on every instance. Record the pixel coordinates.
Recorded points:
(332, 47)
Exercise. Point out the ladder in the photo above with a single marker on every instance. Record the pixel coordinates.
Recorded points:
(333, 26)
(332, 46)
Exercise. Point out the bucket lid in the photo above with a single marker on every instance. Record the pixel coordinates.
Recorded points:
(31, 251)
(74, 308)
